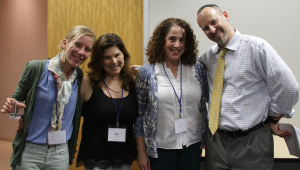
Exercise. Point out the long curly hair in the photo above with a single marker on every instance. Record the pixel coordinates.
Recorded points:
(155, 48)
(97, 73)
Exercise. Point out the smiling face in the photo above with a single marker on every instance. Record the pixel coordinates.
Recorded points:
(77, 50)
(215, 25)
(174, 44)
(113, 61)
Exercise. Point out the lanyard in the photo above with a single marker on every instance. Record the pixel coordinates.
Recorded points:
(179, 100)
(118, 113)
(57, 115)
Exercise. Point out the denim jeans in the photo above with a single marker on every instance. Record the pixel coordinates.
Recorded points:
(44, 157)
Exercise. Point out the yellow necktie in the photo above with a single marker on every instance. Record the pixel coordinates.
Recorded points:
(217, 93)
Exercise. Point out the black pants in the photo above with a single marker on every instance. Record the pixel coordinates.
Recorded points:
(187, 158)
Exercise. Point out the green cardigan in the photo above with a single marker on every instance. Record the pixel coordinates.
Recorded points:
(26, 90)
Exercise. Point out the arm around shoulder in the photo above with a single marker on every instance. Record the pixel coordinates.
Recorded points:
(86, 89)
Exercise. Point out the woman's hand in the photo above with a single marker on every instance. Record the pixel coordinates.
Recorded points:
(143, 161)
(21, 124)
(7, 109)
(8, 105)
(133, 70)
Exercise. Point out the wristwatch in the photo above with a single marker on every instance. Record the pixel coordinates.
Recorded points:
(271, 120)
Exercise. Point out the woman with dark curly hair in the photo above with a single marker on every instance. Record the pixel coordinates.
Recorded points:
(110, 108)
(171, 91)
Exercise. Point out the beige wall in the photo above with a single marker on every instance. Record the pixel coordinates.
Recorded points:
(23, 37)
(276, 21)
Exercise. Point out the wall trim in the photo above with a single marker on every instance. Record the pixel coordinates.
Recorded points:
(146, 10)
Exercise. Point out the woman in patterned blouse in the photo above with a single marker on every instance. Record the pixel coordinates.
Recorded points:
(171, 91)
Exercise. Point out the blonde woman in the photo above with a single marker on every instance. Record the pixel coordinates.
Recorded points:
(51, 90)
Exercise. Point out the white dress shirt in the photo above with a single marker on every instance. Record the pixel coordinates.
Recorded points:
(168, 107)
(257, 82)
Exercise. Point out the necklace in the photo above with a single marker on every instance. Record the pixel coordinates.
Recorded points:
(118, 91)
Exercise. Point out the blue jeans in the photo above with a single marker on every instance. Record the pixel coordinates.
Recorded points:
(44, 157)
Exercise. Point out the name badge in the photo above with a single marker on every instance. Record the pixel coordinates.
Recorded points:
(116, 135)
(180, 125)
(56, 137)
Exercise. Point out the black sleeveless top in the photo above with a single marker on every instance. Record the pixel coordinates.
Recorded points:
(99, 112)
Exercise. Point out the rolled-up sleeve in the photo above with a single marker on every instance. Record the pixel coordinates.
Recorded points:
(283, 88)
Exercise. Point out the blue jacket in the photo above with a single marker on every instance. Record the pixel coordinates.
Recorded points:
(146, 91)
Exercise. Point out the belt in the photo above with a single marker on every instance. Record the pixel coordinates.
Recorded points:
(242, 133)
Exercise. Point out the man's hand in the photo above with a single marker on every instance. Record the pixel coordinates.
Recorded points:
(276, 131)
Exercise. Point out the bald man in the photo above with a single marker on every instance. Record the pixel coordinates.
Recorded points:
(258, 90)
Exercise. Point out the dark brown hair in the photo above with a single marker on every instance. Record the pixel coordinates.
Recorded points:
(155, 48)
(97, 73)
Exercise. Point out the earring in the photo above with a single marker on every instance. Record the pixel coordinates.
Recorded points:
(63, 57)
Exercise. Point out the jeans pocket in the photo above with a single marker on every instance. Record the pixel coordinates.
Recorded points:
(28, 149)
(63, 151)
